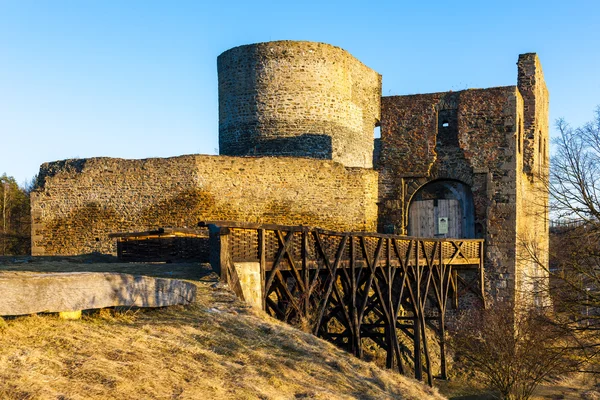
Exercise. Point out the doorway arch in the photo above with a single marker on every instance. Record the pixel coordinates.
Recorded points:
(443, 209)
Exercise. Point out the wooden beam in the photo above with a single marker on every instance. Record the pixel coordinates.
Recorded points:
(301, 228)
(262, 262)
(363, 292)
(160, 232)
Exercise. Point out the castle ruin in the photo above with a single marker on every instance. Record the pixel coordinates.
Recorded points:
(296, 122)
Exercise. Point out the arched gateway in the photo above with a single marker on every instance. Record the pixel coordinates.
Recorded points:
(442, 209)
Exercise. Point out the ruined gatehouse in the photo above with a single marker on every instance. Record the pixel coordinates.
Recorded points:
(296, 122)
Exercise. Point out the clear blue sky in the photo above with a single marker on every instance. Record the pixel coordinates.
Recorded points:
(138, 79)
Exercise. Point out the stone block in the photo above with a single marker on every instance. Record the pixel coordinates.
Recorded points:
(68, 293)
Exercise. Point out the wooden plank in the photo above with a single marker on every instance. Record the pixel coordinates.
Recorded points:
(421, 219)
(468, 264)
(450, 209)
(417, 350)
(361, 291)
(442, 339)
(160, 232)
(426, 351)
(481, 276)
(375, 260)
(263, 267)
(233, 280)
(455, 219)
(305, 271)
(288, 228)
(356, 340)
(251, 225)
(285, 290)
(442, 211)
(219, 250)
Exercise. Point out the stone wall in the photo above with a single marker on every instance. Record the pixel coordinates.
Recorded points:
(315, 101)
(300, 99)
(532, 176)
(535, 112)
(468, 136)
(79, 202)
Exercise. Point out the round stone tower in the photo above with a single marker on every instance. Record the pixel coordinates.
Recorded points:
(300, 99)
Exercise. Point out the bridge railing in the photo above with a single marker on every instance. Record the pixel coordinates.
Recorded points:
(246, 244)
(349, 287)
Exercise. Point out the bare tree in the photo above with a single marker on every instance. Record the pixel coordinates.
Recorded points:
(512, 352)
(5, 193)
(15, 232)
(575, 172)
(574, 185)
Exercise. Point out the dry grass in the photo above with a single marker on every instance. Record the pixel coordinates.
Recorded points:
(570, 387)
(218, 348)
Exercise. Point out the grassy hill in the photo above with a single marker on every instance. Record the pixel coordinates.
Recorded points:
(217, 348)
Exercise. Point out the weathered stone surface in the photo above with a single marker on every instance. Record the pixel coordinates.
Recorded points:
(532, 192)
(70, 315)
(478, 137)
(80, 202)
(28, 293)
(251, 282)
(314, 100)
(297, 98)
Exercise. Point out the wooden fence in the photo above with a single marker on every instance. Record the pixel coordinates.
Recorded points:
(163, 244)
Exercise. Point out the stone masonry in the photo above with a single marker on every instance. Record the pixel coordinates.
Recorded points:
(80, 202)
(476, 137)
(296, 124)
(299, 99)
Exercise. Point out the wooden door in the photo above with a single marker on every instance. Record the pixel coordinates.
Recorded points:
(435, 218)
(421, 219)
(450, 209)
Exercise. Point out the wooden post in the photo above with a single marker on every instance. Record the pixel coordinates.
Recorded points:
(399, 280)
(426, 350)
(417, 349)
(354, 340)
(305, 272)
(219, 251)
(220, 258)
(262, 261)
(444, 274)
(417, 316)
(455, 287)
(444, 366)
(391, 328)
(481, 275)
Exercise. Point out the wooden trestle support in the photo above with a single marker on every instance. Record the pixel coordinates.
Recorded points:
(352, 287)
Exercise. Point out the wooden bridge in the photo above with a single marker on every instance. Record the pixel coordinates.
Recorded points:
(354, 287)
